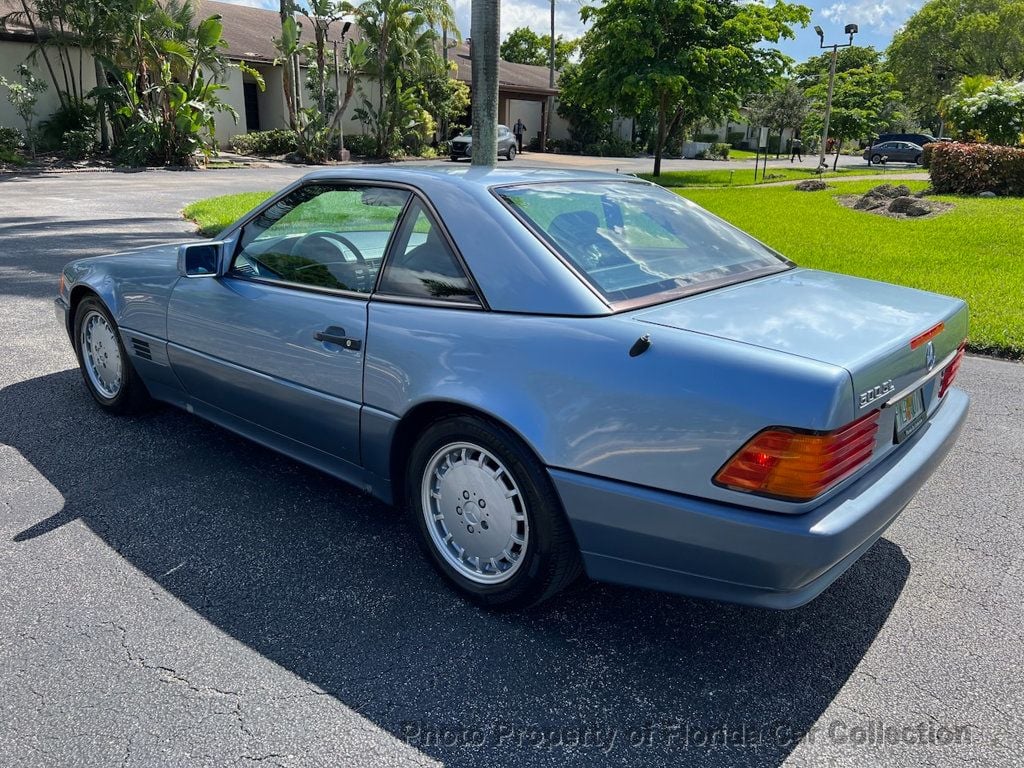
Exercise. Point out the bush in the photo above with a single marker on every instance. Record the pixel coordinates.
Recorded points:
(968, 169)
(717, 151)
(735, 138)
(611, 147)
(11, 140)
(277, 142)
(71, 118)
(79, 144)
(707, 138)
(361, 144)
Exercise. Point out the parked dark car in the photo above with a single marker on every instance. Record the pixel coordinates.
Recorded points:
(914, 138)
(894, 152)
(462, 145)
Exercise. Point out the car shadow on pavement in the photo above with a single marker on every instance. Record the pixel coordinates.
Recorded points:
(329, 584)
(36, 248)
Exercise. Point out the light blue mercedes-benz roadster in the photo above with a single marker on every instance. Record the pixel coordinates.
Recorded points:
(553, 372)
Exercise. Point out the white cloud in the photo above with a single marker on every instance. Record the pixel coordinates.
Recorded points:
(882, 16)
(535, 14)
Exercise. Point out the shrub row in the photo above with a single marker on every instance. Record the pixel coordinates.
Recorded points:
(276, 142)
(967, 169)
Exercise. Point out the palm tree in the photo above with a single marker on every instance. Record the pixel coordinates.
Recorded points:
(485, 23)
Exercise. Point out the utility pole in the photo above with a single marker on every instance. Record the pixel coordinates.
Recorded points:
(485, 21)
(851, 30)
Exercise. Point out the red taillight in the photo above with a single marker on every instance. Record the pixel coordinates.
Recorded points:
(799, 466)
(951, 370)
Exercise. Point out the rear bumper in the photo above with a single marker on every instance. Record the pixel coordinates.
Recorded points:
(647, 538)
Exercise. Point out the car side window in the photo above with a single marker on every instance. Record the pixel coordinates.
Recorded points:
(322, 235)
(422, 264)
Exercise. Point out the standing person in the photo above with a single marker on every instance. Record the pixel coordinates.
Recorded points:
(798, 149)
(519, 129)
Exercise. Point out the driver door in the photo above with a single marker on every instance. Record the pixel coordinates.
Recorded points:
(276, 343)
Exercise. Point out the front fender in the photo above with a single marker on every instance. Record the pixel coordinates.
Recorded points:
(135, 285)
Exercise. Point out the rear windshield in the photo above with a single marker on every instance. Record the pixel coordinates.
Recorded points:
(632, 241)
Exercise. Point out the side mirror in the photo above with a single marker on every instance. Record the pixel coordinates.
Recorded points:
(199, 259)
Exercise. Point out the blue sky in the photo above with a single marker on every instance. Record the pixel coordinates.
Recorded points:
(877, 19)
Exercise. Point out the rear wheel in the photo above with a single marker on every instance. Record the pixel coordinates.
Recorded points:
(917, 160)
(511, 155)
(488, 516)
(108, 373)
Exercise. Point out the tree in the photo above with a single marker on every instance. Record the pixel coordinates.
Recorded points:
(860, 98)
(815, 70)
(785, 106)
(23, 97)
(983, 107)
(165, 70)
(949, 39)
(685, 60)
(588, 123)
(485, 23)
(401, 50)
(524, 46)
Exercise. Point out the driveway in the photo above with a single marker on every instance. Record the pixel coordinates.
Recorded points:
(173, 595)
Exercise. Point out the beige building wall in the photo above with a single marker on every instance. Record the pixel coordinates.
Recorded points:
(13, 53)
(234, 95)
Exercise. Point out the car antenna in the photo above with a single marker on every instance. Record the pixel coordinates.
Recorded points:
(640, 346)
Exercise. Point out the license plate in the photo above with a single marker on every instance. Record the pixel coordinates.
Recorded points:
(909, 415)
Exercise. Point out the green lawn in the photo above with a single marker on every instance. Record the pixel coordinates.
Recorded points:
(741, 154)
(745, 176)
(214, 213)
(975, 251)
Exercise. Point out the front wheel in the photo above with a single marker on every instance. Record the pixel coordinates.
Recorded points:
(488, 516)
(876, 159)
(917, 160)
(108, 373)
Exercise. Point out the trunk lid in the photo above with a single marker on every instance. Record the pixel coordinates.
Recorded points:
(861, 325)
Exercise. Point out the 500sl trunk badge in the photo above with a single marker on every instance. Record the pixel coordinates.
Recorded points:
(883, 389)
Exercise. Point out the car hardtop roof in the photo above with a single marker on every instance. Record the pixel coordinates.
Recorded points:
(424, 177)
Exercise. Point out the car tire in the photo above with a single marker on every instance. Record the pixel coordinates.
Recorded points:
(107, 370)
(917, 160)
(876, 159)
(531, 553)
(511, 154)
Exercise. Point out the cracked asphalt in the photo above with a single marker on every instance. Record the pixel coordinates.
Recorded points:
(172, 595)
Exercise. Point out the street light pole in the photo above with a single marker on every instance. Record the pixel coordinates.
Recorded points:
(851, 30)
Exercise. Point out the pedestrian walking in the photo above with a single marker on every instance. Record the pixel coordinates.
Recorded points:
(519, 129)
(798, 150)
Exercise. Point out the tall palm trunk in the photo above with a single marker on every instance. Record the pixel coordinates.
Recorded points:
(485, 22)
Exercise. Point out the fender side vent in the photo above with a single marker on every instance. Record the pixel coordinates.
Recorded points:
(142, 349)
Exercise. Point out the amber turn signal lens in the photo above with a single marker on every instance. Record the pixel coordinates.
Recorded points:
(797, 465)
(927, 336)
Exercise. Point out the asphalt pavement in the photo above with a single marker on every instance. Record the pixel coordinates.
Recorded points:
(173, 595)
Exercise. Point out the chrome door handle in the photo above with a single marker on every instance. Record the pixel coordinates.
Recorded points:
(335, 335)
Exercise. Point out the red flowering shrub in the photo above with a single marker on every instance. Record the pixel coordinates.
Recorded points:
(968, 169)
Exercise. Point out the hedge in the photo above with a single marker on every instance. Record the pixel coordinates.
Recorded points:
(276, 142)
(968, 169)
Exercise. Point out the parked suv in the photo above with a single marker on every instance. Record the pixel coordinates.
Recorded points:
(462, 145)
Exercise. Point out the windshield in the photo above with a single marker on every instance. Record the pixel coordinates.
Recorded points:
(632, 241)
